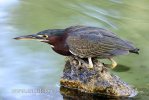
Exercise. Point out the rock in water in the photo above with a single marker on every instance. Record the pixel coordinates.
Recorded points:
(97, 80)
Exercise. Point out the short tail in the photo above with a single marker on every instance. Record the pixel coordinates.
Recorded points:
(136, 51)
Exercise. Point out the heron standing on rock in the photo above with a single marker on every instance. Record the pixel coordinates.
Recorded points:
(84, 42)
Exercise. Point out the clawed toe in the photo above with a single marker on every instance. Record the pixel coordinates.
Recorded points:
(112, 66)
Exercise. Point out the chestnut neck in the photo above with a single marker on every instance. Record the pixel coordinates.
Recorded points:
(59, 45)
(56, 40)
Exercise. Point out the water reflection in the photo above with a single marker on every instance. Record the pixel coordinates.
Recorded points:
(97, 13)
(72, 94)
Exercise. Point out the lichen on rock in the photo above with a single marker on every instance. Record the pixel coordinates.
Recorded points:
(99, 80)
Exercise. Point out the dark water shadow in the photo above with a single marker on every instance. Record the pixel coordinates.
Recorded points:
(121, 68)
(74, 94)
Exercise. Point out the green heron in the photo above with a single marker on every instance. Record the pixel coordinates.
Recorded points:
(84, 42)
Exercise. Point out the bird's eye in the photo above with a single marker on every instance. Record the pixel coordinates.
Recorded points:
(45, 36)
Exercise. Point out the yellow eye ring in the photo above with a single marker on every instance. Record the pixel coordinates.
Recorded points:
(45, 36)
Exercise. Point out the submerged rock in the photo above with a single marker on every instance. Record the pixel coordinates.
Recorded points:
(97, 80)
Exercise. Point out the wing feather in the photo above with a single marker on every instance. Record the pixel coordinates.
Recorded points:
(92, 42)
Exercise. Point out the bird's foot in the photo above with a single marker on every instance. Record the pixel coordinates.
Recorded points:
(79, 61)
(112, 66)
(90, 67)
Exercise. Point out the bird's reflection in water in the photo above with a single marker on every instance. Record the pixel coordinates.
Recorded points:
(74, 94)
(121, 68)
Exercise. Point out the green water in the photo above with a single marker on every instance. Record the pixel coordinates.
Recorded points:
(31, 65)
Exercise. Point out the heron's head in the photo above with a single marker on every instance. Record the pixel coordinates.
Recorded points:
(48, 36)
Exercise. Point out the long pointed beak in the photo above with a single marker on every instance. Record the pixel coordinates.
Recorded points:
(30, 37)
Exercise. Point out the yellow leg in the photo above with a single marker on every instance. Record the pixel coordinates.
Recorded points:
(90, 62)
(114, 64)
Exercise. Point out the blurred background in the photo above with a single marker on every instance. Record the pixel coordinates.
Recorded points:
(31, 65)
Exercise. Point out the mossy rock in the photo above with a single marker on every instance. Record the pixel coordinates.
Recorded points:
(97, 80)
